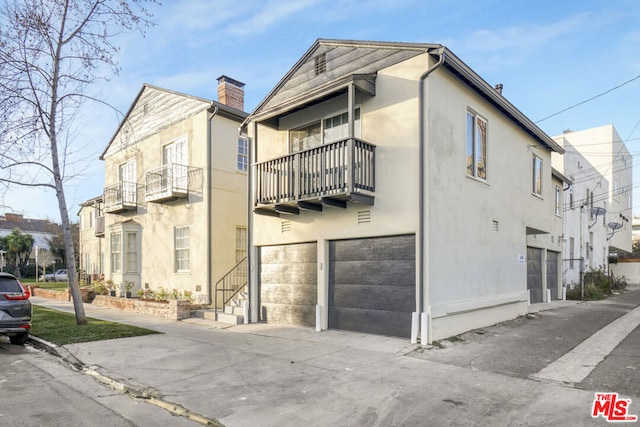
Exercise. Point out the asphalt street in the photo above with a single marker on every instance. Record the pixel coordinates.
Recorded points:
(268, 375)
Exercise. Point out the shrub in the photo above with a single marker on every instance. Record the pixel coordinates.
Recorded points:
(99, 288)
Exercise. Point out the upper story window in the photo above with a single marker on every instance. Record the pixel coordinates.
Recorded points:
(558, 201)
(127, 171)
(333, 128)
(476, 146)
(537, 176)
(337, 127)
(176, 152)
(243, 154)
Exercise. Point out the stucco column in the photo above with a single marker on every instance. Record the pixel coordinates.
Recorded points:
(323, 282)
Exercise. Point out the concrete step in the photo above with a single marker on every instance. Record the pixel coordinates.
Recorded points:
(233, 319)
(205, 314)
(234, 309)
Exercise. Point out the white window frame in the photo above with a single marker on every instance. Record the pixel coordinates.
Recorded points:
(243, 154)
(115, 251)
(558, 201)
(181, 249)
(536, 187)
(131, 252)
(477, 145)
(323, 137)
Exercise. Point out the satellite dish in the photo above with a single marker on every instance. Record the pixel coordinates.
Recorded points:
(596, 211)
(614, 226)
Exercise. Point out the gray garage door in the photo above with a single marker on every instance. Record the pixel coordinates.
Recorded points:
(288, 284)
(534, 274)
(552, 273)
(372, 285)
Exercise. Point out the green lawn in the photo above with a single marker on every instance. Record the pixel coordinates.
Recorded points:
(60, 328)
(56, 286)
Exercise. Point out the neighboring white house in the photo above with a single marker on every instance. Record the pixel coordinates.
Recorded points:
(42, 231)
(599, 209)
(392, 183)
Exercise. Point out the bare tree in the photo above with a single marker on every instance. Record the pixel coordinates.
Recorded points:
(51, 53)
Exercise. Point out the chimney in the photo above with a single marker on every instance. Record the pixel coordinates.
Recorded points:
(498, 88)
(231, 92)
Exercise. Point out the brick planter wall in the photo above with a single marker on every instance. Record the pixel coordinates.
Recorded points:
(51, 294)
(174, 309)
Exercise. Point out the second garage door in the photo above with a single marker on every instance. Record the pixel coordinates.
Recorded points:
(372, 285)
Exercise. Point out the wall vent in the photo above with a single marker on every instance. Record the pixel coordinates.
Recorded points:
(285, 226)
(321, 63)
(364, 217)
(496, 225)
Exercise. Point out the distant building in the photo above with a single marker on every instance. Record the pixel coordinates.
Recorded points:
(42, 231)
(599, 205)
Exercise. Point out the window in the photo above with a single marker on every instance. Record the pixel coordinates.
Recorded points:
(127, 176)
(182, 249)
(572, 243)
(306, 137)
(537, 175)
(116, 251)
(131, 255)
(337, 127)
(243, 154)
(175, 155)
(476, 146)
(558, 201)
(241, 243)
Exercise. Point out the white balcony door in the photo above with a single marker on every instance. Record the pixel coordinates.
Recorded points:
(176, 158)
(127, 176)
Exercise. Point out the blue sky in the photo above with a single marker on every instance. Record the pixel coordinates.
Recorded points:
(549, 55)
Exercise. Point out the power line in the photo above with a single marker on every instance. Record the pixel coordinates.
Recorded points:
(590, 99)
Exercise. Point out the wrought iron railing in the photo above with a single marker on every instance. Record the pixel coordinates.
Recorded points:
(340, 167)
(230, 285)
(168, 180)
(120, 195)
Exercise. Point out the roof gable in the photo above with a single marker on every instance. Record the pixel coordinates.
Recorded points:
(328, 61)
(152, 110)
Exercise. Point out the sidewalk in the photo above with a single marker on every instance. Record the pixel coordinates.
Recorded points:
(265, 375)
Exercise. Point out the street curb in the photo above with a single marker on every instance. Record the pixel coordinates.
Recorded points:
(153, 398)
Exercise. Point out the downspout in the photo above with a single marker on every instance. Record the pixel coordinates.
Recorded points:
(212, 110)
(423, 286)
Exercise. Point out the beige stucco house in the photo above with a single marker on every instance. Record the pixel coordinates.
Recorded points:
(173, 210)
(394, 191)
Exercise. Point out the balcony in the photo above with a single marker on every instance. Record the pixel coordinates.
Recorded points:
(329, 175)
(120, 197)
(166, 183)
(100, 226)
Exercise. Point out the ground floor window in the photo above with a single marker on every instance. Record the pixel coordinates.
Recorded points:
(116, 252)
(182, 249)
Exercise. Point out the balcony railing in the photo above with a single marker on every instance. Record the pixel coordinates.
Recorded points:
(99, 226)
(120, 197)
(167, 182)
(340, 171)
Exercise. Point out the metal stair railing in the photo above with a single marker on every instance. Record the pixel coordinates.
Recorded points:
(230, 284)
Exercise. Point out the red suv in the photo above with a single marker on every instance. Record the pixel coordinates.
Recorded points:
(15, 309)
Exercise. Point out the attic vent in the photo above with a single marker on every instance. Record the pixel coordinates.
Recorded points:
(364, 217)
(496, 225)
(145, 109)
(285, 226)
(321, 63)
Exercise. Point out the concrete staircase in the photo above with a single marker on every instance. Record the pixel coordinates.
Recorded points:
(232, 314)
